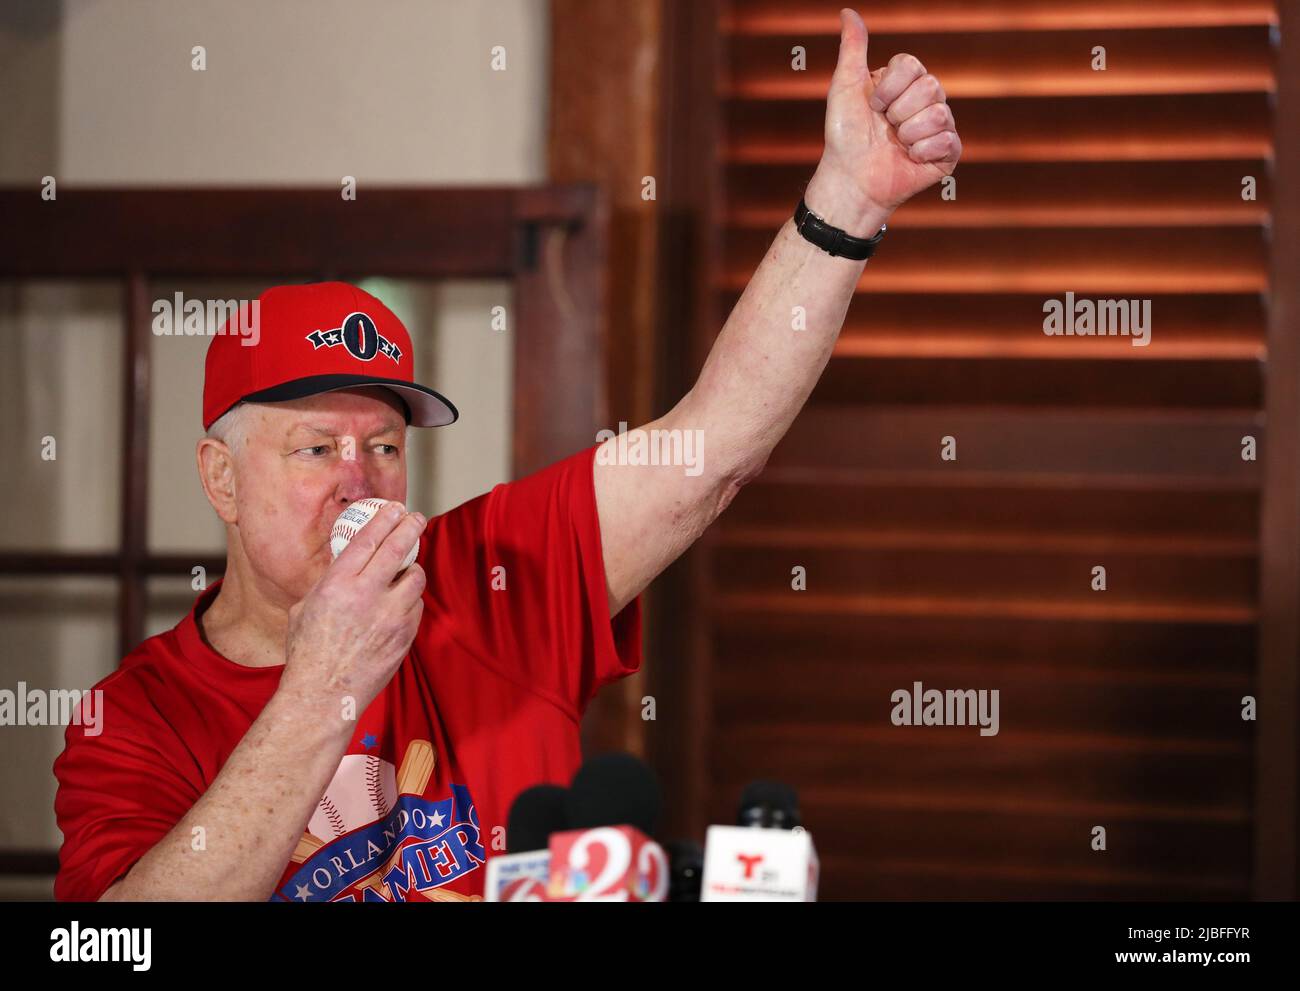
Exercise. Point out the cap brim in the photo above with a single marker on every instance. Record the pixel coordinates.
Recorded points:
(425, 408)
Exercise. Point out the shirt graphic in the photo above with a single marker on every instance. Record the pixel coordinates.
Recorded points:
(375, 837)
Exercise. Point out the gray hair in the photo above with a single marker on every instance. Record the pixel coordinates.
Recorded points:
(229, 426)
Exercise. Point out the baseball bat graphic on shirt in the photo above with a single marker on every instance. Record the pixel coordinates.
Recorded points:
(305, 848)
(412, 778)
(417, 767)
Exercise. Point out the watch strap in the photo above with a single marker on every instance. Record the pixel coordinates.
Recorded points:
(833, 240)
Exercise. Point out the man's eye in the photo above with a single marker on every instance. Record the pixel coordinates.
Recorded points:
(387, 448)
(320, 450)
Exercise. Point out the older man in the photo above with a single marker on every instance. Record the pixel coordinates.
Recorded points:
(320, 730)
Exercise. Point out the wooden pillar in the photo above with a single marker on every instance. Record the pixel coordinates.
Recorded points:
(605, 118)
(132, 580)
(1277, 777)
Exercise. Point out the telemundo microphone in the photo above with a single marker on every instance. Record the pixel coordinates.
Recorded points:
(768, 857)
(522, 872)
(607, 854)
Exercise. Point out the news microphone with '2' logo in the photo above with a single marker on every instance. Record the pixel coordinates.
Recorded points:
(607, 855)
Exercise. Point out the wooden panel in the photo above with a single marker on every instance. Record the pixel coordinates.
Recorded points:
(1024, 515)
(605, 128)
(1102, 194)
(821, 16)
(1191, 327)
(1025, 381)
(1046, 64)
(271, 232)
(1052, 837)
(1019, 765)
(1277, 826)
(560, 283)
(1119, 708)
(134, 478)
(1038, 696)
(1113, 644)
(1172, 127)
(1067, 446)
(1137, 262)
(1057, 576)
(678, 672)
(879, 878)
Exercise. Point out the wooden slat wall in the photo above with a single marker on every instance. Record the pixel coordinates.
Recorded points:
(1120, 708)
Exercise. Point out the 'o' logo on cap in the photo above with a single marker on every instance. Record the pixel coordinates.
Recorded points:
(359, 336)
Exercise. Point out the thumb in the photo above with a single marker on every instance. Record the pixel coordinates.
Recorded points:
(851, 67)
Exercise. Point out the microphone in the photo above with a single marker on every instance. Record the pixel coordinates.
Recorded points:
(613, 790)
(536, 813)
(520, 875)
(685, 869)
(612, 806)
(769, 857)
(768, 805)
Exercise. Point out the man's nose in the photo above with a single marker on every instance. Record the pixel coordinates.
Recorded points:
(354, 481)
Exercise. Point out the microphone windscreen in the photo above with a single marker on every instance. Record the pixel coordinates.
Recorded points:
(770, 804)
(614, 790)
(536, 813)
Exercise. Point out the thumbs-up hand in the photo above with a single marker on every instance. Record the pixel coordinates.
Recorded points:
(889, 133)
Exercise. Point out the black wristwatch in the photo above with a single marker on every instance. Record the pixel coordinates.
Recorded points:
(833, 240)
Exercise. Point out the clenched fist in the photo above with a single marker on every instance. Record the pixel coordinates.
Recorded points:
(889, 133)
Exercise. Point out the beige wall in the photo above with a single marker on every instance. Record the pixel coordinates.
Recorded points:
(295, 92)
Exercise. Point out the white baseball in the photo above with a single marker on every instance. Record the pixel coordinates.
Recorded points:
(362, 791)
(353, 519)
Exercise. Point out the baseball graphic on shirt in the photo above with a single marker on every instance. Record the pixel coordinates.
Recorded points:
(353, 519)
(412, 778)
(363, 791)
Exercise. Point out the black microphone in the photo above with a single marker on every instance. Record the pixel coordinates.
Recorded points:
(537, 812)
(685, 870)
(613, 790)
(520, 874)
(767, 856)
(613, 807)
(769, 805)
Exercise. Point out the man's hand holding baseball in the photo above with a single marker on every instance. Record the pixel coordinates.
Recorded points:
(348, 636)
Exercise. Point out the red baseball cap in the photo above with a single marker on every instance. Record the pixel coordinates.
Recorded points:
(296, 341)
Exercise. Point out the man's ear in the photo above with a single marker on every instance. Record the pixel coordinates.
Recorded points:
(217, 473)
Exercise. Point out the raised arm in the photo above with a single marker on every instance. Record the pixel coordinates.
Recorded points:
(889, 134)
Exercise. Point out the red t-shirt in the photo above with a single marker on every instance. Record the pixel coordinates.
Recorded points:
(486, 704)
